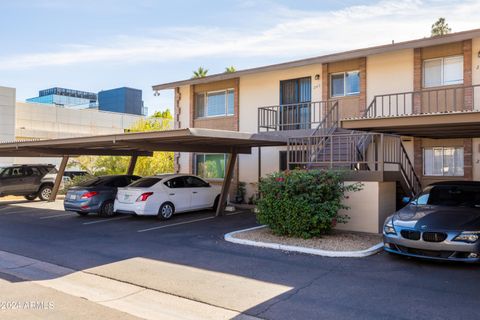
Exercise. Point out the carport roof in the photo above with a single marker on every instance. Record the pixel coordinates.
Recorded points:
(143, 143)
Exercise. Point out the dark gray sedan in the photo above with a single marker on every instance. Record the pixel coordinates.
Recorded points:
(96, 195)
(442, 222)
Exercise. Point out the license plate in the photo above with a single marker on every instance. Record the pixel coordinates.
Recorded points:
(72, 197)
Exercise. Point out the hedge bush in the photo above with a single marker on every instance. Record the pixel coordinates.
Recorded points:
(303, 203)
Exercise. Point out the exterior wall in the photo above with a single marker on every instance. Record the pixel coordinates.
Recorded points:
(7, 118)
(349, 106)
(476, 63)
(476, 159)
(368, 216)
(263, 89)
(389, 73)
(420, 143)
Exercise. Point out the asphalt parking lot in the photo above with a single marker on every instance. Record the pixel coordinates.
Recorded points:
(187, 258)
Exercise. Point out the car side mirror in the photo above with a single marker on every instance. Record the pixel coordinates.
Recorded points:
(406, 200)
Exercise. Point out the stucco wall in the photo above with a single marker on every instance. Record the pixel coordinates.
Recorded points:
(263, 89)
(369, 207)
(184, 104)
(389, 73)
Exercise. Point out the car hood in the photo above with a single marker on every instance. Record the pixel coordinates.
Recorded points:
(438, 218)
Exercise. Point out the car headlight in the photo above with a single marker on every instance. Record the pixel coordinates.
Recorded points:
(468, 236)
(388, 227)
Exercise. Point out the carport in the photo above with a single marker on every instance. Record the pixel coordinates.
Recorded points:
(138, 144)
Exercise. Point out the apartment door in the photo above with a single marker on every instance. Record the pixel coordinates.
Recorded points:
(295, 95)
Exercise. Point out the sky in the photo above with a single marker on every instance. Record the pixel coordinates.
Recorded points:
(97, 45)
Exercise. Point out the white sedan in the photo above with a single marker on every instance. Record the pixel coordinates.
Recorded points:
(164, 195)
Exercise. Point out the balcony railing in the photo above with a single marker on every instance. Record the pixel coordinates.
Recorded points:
(431, 101)
(295, 116)
(372, 152)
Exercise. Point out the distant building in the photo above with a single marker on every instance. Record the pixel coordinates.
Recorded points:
(123, 100)
(26, 121)
(66, 98)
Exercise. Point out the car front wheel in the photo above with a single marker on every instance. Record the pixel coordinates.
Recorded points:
(166, 211)
(45, 192)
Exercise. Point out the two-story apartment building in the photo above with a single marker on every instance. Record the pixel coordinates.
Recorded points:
(396, 117)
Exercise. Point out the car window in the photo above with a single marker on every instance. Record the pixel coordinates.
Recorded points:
(451, 196)
(94, 182)
(145, 182)
(121, 182)
(16, 172)
(176, 183)
(194, 182)
(27, 171)
(132, 179)
(35, 171)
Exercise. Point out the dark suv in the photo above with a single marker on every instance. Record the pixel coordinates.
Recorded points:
(25, 180)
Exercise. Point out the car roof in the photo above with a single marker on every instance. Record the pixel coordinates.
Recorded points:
(456, 183)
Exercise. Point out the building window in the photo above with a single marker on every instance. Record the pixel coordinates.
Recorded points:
(443, 161)
(215, 103)
(443, 71)
(345, 83)
(210, 166)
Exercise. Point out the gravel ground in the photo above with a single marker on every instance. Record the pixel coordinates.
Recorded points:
(337, 241)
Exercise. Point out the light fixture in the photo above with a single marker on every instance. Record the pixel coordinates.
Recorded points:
(317, 76)
(156, 93)
(478, 54)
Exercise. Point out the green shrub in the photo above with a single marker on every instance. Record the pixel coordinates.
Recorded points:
(303, 203)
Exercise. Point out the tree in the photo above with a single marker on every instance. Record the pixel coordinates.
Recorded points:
(200, 73)
(440, 28)
(230, 69)
(160, 162)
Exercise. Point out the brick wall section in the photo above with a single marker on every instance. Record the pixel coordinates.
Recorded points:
(418, 157)
(468, 159)
(467, 73)
(417, 79)
(325, 82)
(362, 103)
(221, 123)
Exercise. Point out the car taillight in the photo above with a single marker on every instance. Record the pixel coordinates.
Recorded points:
(89, 195)
(144, 196)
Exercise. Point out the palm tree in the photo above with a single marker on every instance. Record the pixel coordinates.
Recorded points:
(440, 28)
(200, 73)
(230, 69)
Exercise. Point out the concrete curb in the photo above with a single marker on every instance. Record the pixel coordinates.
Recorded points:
(325, 253)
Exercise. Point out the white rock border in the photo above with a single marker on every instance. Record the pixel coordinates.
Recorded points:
(325, 253)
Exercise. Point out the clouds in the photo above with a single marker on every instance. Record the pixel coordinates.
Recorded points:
(290, 33)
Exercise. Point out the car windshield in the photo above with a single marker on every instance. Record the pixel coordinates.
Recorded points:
(53, 171)
(145, 182)
(450, 196)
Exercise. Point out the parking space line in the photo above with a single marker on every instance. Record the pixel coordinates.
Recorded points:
(57, 215)
(176, 224)
(106, 220)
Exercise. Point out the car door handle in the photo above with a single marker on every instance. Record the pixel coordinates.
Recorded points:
(194, 192)
(171, 194)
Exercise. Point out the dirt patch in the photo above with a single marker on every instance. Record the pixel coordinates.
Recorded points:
(337, 241)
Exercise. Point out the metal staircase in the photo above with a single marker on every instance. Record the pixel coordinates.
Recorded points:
(331, 147)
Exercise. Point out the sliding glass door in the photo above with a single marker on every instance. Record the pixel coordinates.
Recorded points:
(295, 98)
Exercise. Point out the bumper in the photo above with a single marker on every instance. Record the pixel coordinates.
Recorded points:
(446, 250)
(136, 208)
(82, 206)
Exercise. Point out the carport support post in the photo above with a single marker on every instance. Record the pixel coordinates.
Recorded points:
(226, 183)
(131, 165)
(58, 179)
